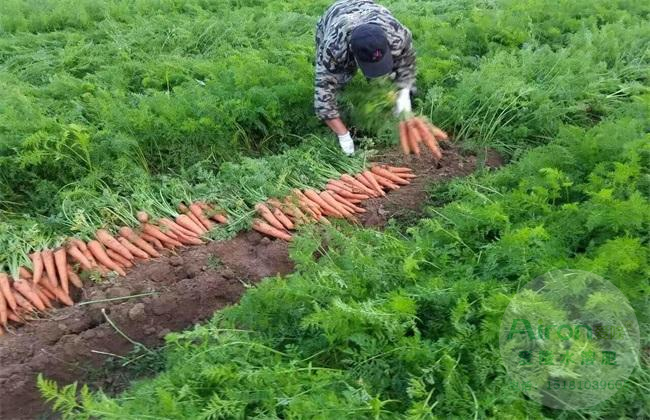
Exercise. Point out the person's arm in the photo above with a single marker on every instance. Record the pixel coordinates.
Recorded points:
(337, 126)
(327, 85)
(405, 72)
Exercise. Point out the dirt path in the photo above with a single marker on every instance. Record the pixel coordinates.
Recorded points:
(75, 342)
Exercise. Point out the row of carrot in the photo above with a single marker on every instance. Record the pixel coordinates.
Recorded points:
(52, 271)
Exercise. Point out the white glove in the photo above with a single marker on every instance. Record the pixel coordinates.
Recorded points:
(347, 145)
(403, 104)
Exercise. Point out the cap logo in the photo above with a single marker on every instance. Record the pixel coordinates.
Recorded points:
(376, 56)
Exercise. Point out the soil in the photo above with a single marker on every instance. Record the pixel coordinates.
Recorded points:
(182, 289)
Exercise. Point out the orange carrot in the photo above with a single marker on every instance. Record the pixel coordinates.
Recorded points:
(175, 228)
(79, 257)
(48, 262)
(137, 252)
(5, 289)
(327, 198)
(403, 138)
(78, 243)
(269, 230)
(196, 221)
(371, 177)
(290, 210)
(102, 257)
(279, 215)
(213, 214)
(350, 180)
(61, 262)
(24, 273)
(155, 232)
(3, 310)
(437, 133)
(37, 266)
(142, 216)
(313, 195)
(428, 138)
(117, 258)
(267, 215)
(197, 211)
(347, 194)
(74, 278)
(128, 234)
(13, 316)
(397, 169)
(414, 138)
(22, 302)
(386, 182)
(45, 291)
(348, 203)
(185, 221)
(46, 301)
(26, 291)
(110, 242)
(366, 183)
(344, 186)
(89, 257)
(58, 293)
(152, 241)
(378, 170)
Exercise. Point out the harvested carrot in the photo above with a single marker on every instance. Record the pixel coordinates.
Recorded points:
(58, 293)
(347, 194)
(89, 257)
(118, 259)
(24, 273)
(397, 169)
(437, 133)
(353, 182)
(213, 214)
(13, 316)
(22, 302)
(175, 228)
(137, 252)
(48, 262)
(268, 216)
(378, 170)
(366, 183)
(128, 234)
(327, 198)
(344, 186)
(79, 257)
(197, 211)
(74, 278)
(155, 232)
(37, 266)
(46, 301)
(78, 243)
(5, 288)
(386, 183)
(152, 241)
(45, 291)
(3, 310)
(348, 203)
(22, 287)
(313, 195)
(414, 137)
(371, 177)
(269, 230)
(110, 242)
(196, 221)
(186, 222)
(96, 248)
(286, 222)
(142, 216)
(61, 263)
(427, 137)
(403, 138)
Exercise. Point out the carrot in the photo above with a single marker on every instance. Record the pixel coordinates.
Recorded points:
(142, 216)
(60, 261)
(185, 221)
(79, 257)
(45, 291)
(89, 257)
(326, 197)
(350, 180)
(110, 242)
(175, 228)
(386, 183)
(155, 232)
(403, 138)
(37, 266)
(46, 301)
(13, 316)
(48, 262)
(269, 230)
(128, 234)
(78, 243)
(344, 186)
(102, 257)
(325, 205)
(3, 310)
(22, 302)
(371, 177)
(437, 133)
(117, 258)
(196, 221)
(414, 137)
(24, 273)
(389, 175)
(74, 278)
(286, 222)
(26, 291)
(137, 252)
(428, 138)
(267, 215)
(397, 169)
(347, 194)
(5, 288)
(366, 183)
(56, 291)
(152, 241)
(198, 212)
(348, 203)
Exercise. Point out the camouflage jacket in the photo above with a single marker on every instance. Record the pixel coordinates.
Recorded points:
(335, 64)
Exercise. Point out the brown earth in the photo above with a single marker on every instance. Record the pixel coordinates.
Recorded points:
(184, 288)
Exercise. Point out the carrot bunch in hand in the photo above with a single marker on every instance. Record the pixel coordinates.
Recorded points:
(417, 130)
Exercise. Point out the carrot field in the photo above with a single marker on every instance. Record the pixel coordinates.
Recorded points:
(122, 120)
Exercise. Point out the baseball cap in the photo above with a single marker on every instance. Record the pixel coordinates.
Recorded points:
(371, 50)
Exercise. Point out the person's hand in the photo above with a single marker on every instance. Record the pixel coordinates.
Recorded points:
(403, 103)
(347, 145)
